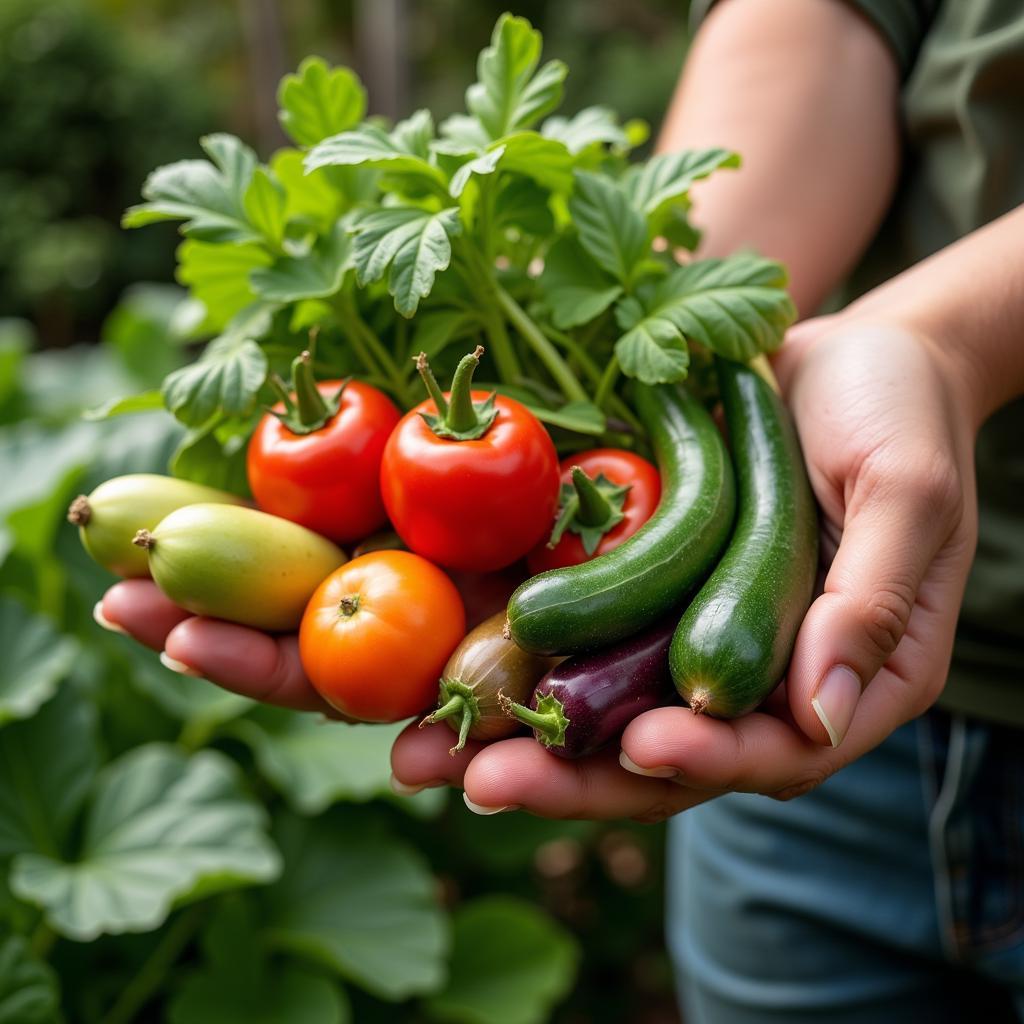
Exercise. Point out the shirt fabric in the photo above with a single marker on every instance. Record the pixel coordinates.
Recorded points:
(962, 104)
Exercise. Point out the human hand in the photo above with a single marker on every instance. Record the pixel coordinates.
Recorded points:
(887, 432)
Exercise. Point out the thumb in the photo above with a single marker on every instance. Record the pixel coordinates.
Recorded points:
(895, 524)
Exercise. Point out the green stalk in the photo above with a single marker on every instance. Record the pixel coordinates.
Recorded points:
(538, 341)
(501, 347)
(608, 379)
(462, 415)
(474, 270)
(372, 351)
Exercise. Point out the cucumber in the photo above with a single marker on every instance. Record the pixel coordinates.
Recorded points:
(586, 607)
(238, 564)
(108, 518)
(733, 643)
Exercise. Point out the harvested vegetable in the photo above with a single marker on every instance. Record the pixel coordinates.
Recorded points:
(483, 666)
(734, 641)
(109, 518)
(586, 607)
(585, 703)
(377, 633)
(470, 479)
(607, 495)
(315, 458)
(238, 564)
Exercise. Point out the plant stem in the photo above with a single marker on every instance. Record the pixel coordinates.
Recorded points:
(538, 341)
(501, 348)
(608, 379)
(371, 350)
(152, 973)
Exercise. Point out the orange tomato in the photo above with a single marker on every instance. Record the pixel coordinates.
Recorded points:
(377, 633)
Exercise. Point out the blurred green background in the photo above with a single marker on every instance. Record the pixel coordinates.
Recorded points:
(421, 911)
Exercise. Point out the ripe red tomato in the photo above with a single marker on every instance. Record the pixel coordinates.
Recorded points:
(329, 479)
(638, 505)
(471, 504)
(377, 633)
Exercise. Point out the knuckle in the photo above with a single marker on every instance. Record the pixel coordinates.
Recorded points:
(653, 815)
(936, 485)
(809, 781)
(885, 616)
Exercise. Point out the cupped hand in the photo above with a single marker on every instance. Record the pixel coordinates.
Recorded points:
(887, 433)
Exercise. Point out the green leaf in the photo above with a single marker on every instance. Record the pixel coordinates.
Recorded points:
(319, 101)
(218, 276)
(35, 659)
(144, 402)
(510, 92)
(28, 987)
(226, 378)
(316, 275)
(511, 964)
(208, 196)
(312, 201)
(264, 204)
(47, 763)
(163, 829)
(610, 229)
(464, 134)
(436, 329)
(545, 161)
(485, 164)
(524, 205)
(667, 178)
(239, 985)
(409, 243)
(737, 307)
(575, 288)
(361, 904)
(592, 125)
(579, 417)
(404, 150)
(214, 454)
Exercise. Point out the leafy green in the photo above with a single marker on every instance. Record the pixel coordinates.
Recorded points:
(592, 125)
(319, 101)
(575, 288)
(219, 277)
(314, 275)
(667, 178)
(163, 828)
(610, 229)
(264, 205)
(28, 987)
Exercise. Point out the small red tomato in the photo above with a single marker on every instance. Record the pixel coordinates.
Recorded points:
(470, 480)
(607, 495)
(319, 465)
(377, 633)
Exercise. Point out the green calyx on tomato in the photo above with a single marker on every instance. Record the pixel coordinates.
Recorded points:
(589, 507)
(458, 417)
(310, 410)
(458, 701)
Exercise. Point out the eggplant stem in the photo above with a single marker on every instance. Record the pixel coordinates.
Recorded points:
(548, 722)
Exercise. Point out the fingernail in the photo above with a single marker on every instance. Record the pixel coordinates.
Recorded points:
(481, 809)
(102, 620)
(178, 666)
(403, 790)
(836, 701)
(658, 772)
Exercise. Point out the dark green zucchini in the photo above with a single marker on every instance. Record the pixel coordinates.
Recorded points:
(589, 606)
(733, 643)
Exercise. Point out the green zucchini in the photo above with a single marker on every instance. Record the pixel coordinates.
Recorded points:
(733, 643)
(589, 606)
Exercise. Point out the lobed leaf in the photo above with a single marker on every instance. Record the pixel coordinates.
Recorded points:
(315, 275)
(319, 101)
(29, 992)
(575, 288)
(218, 277)
(611, 230)
(590, 126)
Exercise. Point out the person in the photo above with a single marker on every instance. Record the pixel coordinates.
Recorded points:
(877, 136)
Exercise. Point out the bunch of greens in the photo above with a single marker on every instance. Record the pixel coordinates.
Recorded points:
(507, 225)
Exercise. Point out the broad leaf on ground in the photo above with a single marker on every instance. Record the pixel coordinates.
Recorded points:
(319, 101)
(409, 244)
(511, 963)
(207, 196)
(361, 904)
(575, 288)
(239, 985)
(163, 828)
(28, 987)
(611, 230)
(510, 91)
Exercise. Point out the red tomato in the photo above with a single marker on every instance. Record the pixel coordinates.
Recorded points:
(479, 504)
(377, 633)
(327, 480)
(619, 467)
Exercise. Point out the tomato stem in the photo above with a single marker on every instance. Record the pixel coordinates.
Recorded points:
(348, 605)
(462, 415)
(590, 508)
(458, 418)
(310, 404)
(430, 381)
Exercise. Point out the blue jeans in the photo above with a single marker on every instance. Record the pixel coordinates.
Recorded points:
(893, 892)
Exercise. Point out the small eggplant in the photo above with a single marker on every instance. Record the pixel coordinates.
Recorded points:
(483, 666)
(587, 701)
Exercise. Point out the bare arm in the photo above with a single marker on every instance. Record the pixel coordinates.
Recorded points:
(807, 92)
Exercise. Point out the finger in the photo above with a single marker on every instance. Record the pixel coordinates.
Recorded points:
(520, 773)
(420, 757)
(139, 609)
(897, 519)
(757, 753)
(246, 661)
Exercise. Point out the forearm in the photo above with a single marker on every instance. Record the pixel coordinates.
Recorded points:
(806, 91)
(968, 299)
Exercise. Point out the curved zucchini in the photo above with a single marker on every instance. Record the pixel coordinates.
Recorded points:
(733, 643)
(589, 606)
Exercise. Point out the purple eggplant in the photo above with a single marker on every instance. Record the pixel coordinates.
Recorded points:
(587, 701)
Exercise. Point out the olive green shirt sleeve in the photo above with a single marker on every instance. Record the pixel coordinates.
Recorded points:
(902, 23)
